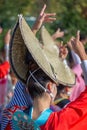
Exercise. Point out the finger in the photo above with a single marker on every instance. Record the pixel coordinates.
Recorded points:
(78, 36)
(43, 10)
(9, 31)
(61, 43)
(50, 14)
(73, 42)
(58, 30)
(49, 19)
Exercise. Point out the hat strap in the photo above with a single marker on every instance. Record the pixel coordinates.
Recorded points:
(32, 75)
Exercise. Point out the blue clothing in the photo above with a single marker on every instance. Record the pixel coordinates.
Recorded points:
(21, 99)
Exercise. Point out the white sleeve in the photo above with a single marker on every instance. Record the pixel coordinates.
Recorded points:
(84, 68)
(76, 58)
(7, 52)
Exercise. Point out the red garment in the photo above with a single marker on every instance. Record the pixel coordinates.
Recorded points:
(4, 68)
(73, 117)
(8, 127)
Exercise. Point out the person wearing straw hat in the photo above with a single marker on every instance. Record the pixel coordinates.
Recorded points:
(44, 71)
(24, 102)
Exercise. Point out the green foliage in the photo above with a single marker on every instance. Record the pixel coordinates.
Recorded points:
(71, 14)
(71, 17)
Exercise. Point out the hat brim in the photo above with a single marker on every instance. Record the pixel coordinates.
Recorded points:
(17, 54)
(23, 39)
(62, 71)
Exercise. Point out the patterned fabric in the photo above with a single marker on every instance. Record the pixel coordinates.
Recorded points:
(20, 100)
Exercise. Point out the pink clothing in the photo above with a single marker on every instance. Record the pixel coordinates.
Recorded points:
(80, 84)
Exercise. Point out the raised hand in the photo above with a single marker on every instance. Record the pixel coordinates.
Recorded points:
(58, 34)
(63, 51)
(7, 37)
(43, 18)
(1, 29)
(78, 47)
(69, 43)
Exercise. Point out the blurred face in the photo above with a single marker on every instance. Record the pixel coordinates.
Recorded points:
(69, 91)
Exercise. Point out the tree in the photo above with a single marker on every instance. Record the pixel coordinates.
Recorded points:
(71, 14)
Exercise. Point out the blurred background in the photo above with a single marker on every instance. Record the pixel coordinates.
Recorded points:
(71, 15)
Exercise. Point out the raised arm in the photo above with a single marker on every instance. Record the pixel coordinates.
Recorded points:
(78, 47)
(74, 115)
(43, 18)
(75, 56)
(58, 34)
(6, 44)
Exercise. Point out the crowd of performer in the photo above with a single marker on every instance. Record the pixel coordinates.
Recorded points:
(52, 106)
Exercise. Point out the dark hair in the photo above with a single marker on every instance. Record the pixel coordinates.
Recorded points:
(28, 57)
(62, 101)
(60, 88)
(70, 59)
(35, 88)
(1, 24)
(83, 36)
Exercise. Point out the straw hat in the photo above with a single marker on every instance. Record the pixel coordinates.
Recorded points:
(62, 70)
(47, 59)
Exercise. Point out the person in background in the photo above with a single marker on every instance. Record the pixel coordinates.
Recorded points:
(4, 71)
(75, 63)
(12, 80)
(20, 100)
(83, 38)
(43, 89)
(61, 98)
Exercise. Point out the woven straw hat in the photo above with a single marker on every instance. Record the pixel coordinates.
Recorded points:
(62, 70)
(47, 59)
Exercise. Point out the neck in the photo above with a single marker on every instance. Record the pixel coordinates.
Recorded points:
(40, 105)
